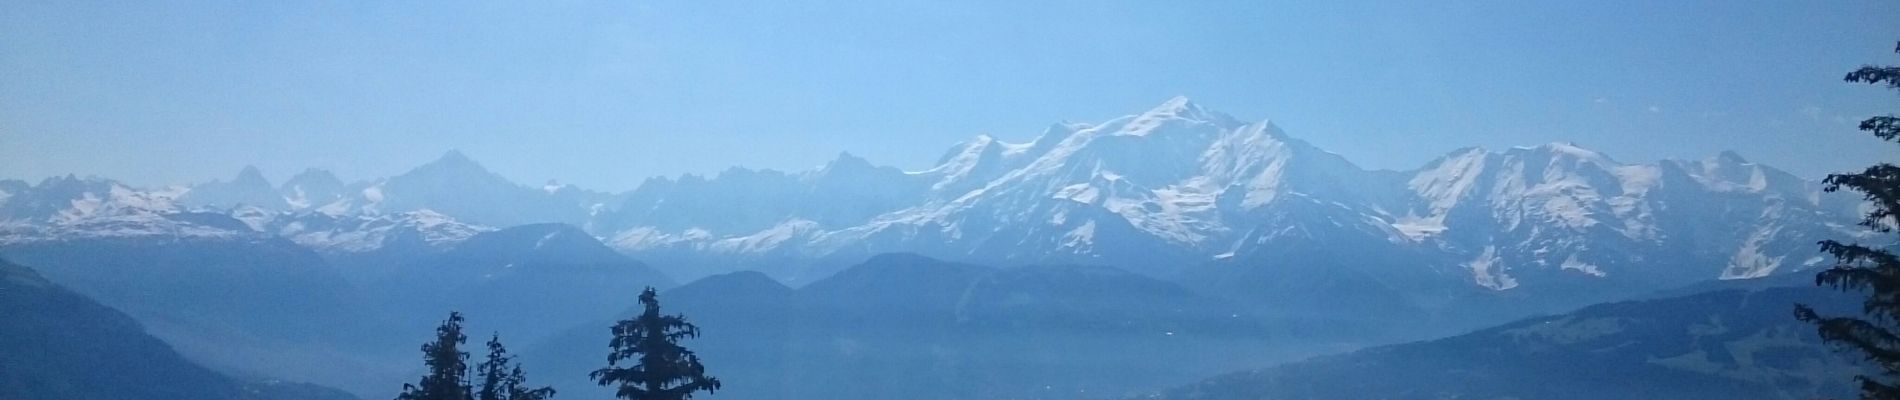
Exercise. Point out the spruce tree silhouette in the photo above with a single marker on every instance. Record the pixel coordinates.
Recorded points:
(503, 379)
(1869, 269)
(661, 369)
(448, 366)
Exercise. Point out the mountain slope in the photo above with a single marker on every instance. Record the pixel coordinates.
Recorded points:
(61, 345)
(533, 279)
(1727, 344)
(905, 326)
(319, 296)
(252, 305)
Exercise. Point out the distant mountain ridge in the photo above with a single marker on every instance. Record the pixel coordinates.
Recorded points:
(1733, 343)
(319, 295)
(1177, 189)
(906, 326)
(1191, 214)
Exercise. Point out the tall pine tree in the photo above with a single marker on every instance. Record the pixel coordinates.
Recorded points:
(661, 369)
(448, 366)
(503, 379)
(1869, 269)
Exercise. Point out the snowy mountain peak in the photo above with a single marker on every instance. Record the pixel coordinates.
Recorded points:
(1164, 118)
(1178, 106)
(1464, 152)
(966, 152)
(1563, 150)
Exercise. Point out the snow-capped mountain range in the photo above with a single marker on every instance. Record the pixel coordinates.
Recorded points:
(1162, 192)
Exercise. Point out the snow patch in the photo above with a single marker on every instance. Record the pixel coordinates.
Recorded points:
(1417, 229)
(1080, 238)
(1573, 264)
(374, 194)
(1752, 260)
(543, 243)
(1488, 271)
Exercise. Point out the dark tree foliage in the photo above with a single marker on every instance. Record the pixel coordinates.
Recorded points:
(502, 379)
(448, 366)
(661, 369)
(1870, 269)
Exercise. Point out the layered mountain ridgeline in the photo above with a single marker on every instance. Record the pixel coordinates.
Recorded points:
(337, 300)
(61, 345)
(242, 303)
(1733, 343)
(1174, 190)
(905, 326)
(1284, 232)
(453, 185)
(532, 279)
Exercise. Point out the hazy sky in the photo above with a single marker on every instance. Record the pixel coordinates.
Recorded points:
(605, 94)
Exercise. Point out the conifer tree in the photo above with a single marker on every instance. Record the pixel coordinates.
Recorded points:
(503, 379)
(1870, 269)
(448, 366)
(660, 368)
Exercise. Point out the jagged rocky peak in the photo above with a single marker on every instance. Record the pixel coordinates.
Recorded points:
(74, 184)
(314, 178)
(851, 176)
(451, 162)
(250, 177)
(846, 164)
(454, 157)
(312, 188)
(452, 172)
(248, 188)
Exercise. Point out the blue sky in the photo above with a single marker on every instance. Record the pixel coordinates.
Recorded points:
(605, 94)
